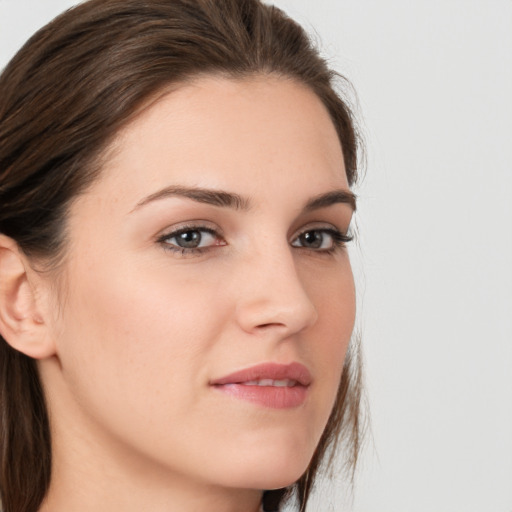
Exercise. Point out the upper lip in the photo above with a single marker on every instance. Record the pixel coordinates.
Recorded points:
(274, 371)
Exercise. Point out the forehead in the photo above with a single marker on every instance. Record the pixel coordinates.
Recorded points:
(229, 133)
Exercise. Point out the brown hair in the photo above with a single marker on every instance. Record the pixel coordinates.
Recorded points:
(63, 98)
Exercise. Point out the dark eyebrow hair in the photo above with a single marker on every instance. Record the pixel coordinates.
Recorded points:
(201, 195)
(330, 198)
(237, 202)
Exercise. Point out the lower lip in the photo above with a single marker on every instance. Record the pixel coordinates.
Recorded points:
(267, 396)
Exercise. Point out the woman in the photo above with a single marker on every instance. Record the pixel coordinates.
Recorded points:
(176, 296)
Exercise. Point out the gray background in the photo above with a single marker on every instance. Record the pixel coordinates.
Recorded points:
(434, 81)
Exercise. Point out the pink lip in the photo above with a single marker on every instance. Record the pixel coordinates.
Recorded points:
(275, 397)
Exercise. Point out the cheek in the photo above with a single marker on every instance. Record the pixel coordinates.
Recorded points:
(136, 337)
(333, 293)
(334, 296)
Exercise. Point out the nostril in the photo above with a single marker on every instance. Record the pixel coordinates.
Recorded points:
(272, 324)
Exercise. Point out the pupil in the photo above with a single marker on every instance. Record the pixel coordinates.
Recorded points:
(312, 239)
(189, 239)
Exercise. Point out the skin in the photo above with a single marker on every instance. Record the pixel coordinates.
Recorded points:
(136, 331)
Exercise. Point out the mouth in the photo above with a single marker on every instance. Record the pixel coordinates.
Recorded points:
(270, 385)
(286, 383)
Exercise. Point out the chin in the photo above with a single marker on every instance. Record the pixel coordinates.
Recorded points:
(281, 479)
(268, 478)
(270, 469)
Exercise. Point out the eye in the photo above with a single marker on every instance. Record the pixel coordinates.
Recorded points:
(191, 239)
(322, 240)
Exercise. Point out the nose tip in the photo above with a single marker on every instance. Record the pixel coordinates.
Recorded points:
(276, 300)
(289, 320)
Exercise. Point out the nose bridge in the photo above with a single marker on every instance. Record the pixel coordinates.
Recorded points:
(272, 294)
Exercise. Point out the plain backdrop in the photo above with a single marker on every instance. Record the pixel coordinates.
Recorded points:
(434, 85)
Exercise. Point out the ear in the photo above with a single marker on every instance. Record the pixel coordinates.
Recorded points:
(21, 323)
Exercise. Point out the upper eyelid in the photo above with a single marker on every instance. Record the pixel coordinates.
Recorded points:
(202, 225)
(190, 226)
(320, 226)
(214, 228)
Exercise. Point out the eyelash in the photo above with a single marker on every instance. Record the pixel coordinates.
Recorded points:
(339, 240)
(164, 240)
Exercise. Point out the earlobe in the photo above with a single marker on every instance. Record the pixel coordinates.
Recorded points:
(21, 323)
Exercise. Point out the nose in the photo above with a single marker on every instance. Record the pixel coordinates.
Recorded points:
(272, 296)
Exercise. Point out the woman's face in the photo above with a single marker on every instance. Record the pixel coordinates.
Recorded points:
(208, 298)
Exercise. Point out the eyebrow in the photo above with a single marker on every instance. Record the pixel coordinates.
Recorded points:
(237, 202)
(330, 198)
(201, 195)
